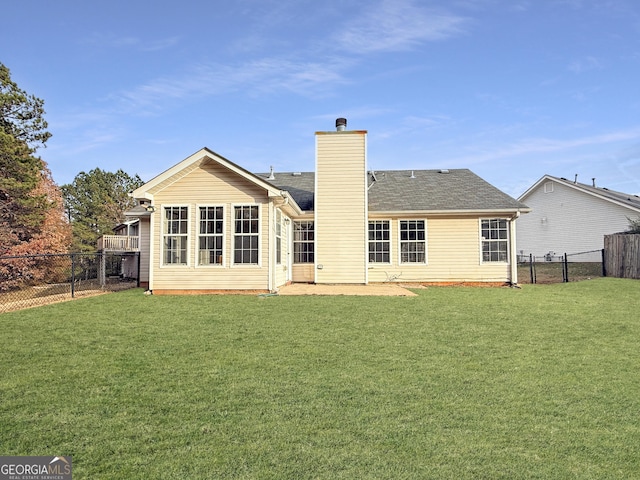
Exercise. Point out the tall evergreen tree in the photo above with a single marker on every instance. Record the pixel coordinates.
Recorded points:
(26, 188)
(95, 202)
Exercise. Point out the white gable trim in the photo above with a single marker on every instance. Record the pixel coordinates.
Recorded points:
(575, 186)
(192, 162)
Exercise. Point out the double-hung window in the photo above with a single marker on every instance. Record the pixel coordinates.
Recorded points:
(495, 239)
(175, 236)
(211, 235)
(413, 241)
(303, 242)
(379, 241)
(246, 238)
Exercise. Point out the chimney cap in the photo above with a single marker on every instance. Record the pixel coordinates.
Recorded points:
(341, 124)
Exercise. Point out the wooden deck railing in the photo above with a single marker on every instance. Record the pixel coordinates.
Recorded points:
(118, 243)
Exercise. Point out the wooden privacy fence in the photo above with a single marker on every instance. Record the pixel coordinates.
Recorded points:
(622, 255)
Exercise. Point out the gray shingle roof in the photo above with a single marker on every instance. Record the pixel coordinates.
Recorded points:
(396, 190)
(626, 198)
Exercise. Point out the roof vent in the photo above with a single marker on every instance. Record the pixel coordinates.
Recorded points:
(443, 170)
(271, 176)
(594, 181)
(412, 175)
(341, 124)
(296, 174)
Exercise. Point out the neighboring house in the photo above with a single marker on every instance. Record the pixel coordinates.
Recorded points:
(572, 217)
(207, 224)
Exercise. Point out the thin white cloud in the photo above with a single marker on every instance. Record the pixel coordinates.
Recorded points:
(397, 25)
(547, 145)
(585, 64)
(267, 75)
(112, 40)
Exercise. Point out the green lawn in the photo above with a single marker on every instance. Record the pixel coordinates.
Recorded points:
(456, 383)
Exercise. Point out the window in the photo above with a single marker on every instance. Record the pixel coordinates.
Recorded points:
(413, 241)
(303, 242)
(210, 236)
(379, 241)
(494, 240)
(174, 235)
(278, 237)
(246, 235)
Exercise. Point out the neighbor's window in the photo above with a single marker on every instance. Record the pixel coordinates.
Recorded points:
(302, 242)
(246, 235)
(174, 235)
(495, 240)
(413, 241)
(278, 237)
(379, 241)
(210, 236)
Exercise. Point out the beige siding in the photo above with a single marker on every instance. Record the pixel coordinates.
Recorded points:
(453, 255)
(209, 185)
(341, 207)
(303, 272)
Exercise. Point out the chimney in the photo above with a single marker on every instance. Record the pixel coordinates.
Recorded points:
(341, 124)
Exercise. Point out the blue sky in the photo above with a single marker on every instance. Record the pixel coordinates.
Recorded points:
(512, 90)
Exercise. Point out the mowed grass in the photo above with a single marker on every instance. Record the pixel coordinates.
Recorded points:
(456, 383)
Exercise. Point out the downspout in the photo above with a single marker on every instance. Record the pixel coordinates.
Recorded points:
(512, 249)
(152, 264)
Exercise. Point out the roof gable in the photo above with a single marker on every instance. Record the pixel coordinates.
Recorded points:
(189, 164)
(619, 198)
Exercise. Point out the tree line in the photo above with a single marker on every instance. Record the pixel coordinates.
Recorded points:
(36, 215)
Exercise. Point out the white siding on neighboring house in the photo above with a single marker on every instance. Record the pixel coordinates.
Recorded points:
(568, 220)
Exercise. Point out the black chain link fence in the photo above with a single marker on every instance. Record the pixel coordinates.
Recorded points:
(33, 280)
(568, 267)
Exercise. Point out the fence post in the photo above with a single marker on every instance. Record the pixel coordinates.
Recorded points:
(73, 275)
(138, 272)
(604, 266)
(533, 277)
(565, 269)
(103, 269)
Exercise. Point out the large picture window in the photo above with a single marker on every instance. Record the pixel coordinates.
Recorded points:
(174, 235)
(495, 240)
(211, 236)
(379, 241)
(246, 235)
(303, 242)
(413, 243)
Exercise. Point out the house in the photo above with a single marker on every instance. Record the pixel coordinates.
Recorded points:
(572, 217)
(207, 224)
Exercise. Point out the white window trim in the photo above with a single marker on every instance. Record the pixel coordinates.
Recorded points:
(390, 240)
(426, 242)
(482, 262)
(232, 231)
(163, 222)
(293, 241)
(224, 236)
(278, 226)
